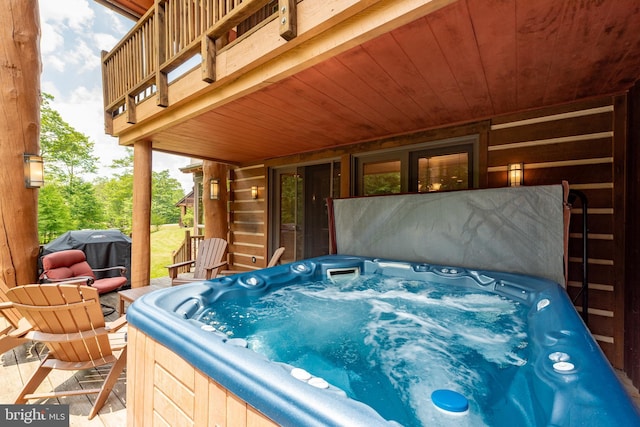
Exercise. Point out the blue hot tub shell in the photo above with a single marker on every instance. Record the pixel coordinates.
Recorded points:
(568, 381)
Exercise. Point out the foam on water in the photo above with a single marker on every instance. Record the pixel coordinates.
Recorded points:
(389, 342)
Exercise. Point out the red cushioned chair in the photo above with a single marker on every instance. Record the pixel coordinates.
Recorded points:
(72, 264)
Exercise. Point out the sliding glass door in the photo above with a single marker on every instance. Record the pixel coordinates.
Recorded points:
(299, 221)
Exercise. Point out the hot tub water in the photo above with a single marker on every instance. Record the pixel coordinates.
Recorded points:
(389, 342)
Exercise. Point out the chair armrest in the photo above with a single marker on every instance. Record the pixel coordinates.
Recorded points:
(209, 269)
(116, 324)
(87, 280)
(180, 264)
(122, 269)
(173, 268)
(218, 265)
(23, 327)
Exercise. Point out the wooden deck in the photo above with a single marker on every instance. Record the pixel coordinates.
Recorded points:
(17, 365)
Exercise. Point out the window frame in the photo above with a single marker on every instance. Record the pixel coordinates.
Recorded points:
(408, 156)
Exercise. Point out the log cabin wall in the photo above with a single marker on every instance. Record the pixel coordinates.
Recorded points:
(247, 218)
(632, 279)
(577, 143)
(582, 143)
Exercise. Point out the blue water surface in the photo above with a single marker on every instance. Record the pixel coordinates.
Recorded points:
(390, 342)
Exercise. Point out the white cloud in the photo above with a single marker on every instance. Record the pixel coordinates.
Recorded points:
(172, 163)
(76, 14)
(50, 88)
(54, 62)
(85, 57)
(105, 41)
(51, 38)
(116, 22)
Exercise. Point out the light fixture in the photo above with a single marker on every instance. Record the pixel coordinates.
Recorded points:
(214, 189)
(254, 192)
(515, 174)
(33, 171)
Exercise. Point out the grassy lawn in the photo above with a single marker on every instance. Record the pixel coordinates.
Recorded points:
(164, 241)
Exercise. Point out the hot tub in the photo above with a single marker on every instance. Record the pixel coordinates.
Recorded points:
(384, 343)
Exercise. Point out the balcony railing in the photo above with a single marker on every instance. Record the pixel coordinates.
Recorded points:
(171, 33)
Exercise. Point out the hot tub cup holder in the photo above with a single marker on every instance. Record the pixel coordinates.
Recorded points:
(559, 356)
(543, 303)
(564, 367)
(317, 382)
(561, 363)
(301, 268)
(252, 282)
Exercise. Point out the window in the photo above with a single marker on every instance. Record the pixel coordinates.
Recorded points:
(381, 177)
(441, 169)
(433, 166)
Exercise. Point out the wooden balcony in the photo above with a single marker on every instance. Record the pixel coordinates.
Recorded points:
(171, 33)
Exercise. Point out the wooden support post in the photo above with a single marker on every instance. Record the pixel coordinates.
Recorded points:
(208, 53)
(288, 19)
(141, 224)
(162, 84)
(108, 118)
(19, 134)
(130, 108)
(345, 174)
(215, 211)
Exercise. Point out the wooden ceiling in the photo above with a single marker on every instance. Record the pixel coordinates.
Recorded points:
(470, 60)
(132, 9)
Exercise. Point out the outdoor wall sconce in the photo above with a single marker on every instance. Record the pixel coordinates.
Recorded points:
(33, 171)
(254, 192)
(214, 189)
(515, 174)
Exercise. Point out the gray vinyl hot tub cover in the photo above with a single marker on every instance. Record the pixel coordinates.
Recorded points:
(516, 229)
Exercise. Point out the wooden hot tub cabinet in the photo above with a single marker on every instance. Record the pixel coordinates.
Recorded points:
(165, 390)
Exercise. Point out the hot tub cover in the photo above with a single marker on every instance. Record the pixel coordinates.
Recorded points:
(517, 229)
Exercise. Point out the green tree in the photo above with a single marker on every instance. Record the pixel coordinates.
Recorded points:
(54, 217)
(382, 183)
(117, 200)
(86, 208)
(117, 196)
(66, 152)
(166, 192)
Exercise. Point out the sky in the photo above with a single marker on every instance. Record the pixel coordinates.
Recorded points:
(74, 32)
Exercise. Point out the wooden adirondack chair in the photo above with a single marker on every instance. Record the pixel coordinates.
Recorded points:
(68, 319)
(206, 264)
(273, 261)
(17, 326)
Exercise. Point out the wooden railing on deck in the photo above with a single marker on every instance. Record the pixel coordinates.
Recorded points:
(187, 250)
(130, 68)
(168, 35)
